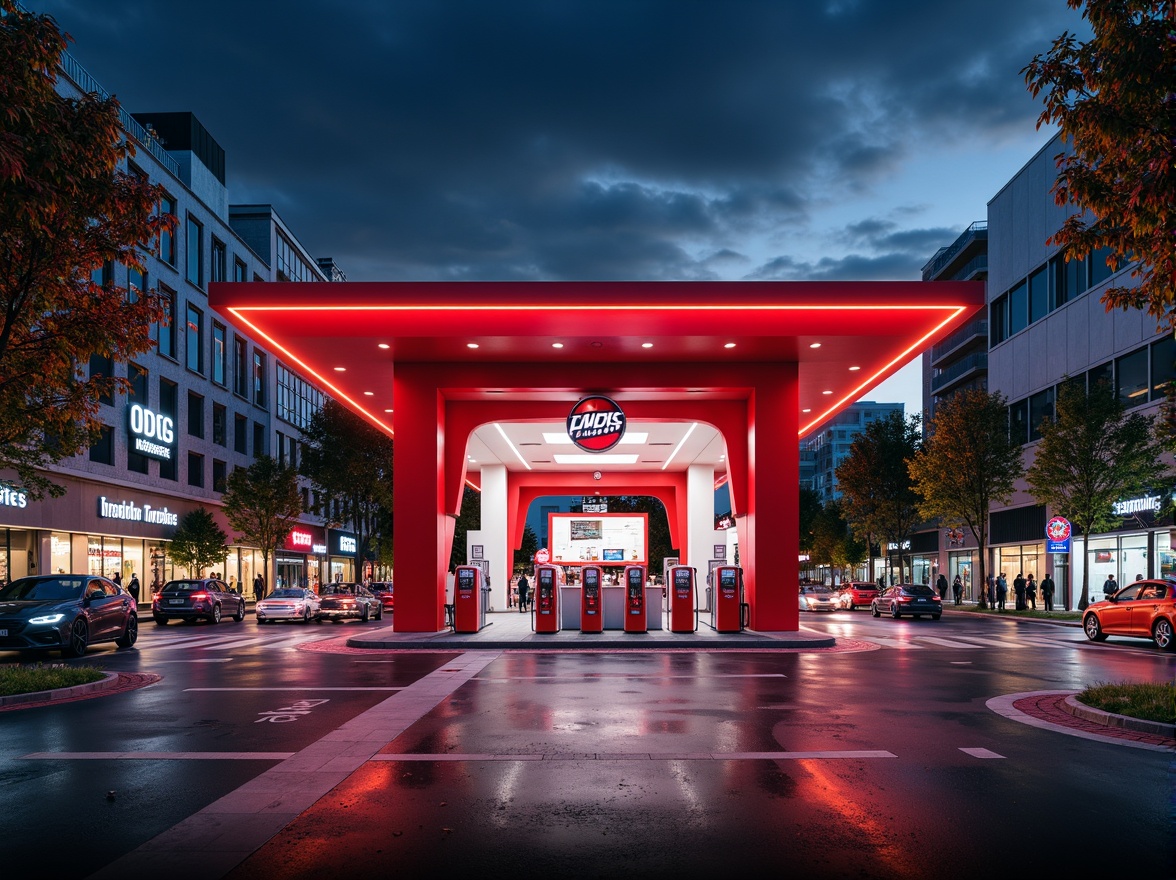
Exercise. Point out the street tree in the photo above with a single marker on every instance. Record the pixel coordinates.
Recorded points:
(262, 503)
(526, 553)
(810, 508)
(833, 541)
(198, 542)
(348, 460)
(70, 213)
(469, 519)
(1092, 454)
(966, 464)
(877, 494)
(1113, 99)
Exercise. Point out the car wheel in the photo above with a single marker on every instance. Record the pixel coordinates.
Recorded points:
(1163, 636)
(1093, 628)
(240, 615)
(935, 616)
(260, 622)
(379, 612)
(79, 639)
(894, 612)
(159, 621)
(305, 615)
(364, 615)
(874, 609)
(214, 617)
(852, 607)
(130, 633)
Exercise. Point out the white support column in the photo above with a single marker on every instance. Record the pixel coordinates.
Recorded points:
(700, 512)
(493, 500)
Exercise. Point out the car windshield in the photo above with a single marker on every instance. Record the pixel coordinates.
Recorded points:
(338, 590)
(286, 594)
(44, 589)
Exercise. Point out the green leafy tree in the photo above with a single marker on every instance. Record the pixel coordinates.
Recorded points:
(810, 508)
(1091, 454)
(525, 553)
(877, 494)
(349, 462)
(967, 464)
(1112, 98)
(68, 213)
(198, 542)
(262, 503)
(833, 541)
(469, 519)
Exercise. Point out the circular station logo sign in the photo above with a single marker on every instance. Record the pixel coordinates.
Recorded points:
(596, 424)
(1058, 529)
(542, 556)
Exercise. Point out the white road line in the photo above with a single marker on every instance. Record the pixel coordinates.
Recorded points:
(981, 753)
(296, 687)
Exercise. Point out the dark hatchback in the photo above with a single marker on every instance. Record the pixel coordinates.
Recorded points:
(197, 599)
(66, 612)
(349, 601)
(913, 599)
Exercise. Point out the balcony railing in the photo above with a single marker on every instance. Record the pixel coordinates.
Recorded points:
(972, 363)
(944, 255)
(971, 330)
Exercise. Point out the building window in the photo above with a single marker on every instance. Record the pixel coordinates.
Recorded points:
(1041, 409)
(258, 378)
(1163, 366)
(136, 284)
(196, 470)
(1075, 278)
(1101, 373)
(998, 320)
(280, 442)
(241, 434)
(240, 367)
(1039, 294)
(167, 327)
(167, 240)
(219, 355)
(136, 463)
(102, 452)
(298, 400)
(102, 366)
(194, 253)
(1131, 382)
(169, 401)
(290, 265)
(194, 339)
(240, 271)
(219, 261)
(195, 415)
(1019, 422)
(1099, 270)
(220, 425)
(258, 440)
(219, 475)
(1018, 308)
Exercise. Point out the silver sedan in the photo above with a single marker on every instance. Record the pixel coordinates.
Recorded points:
(288, 603)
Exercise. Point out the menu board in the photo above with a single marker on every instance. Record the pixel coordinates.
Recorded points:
(577, 539)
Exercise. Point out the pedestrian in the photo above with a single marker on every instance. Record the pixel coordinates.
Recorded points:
(941, 586)
(1031, 591)
(1002, 591)
(133, 587)
(957, 590)
(117, 578)
(1047, 591)
(524, 593)
(1019, 591)
(258, 587)
(990, 588)
(1139, 577)
(1109, 586)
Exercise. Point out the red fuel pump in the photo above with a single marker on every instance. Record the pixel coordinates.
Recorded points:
(683, 616)
(591, 599)
(727, 607)
(545, 607)
(634, 581)
(469, 613)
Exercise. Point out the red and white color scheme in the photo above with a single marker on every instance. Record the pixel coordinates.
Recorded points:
(591, 599)
(467, 369)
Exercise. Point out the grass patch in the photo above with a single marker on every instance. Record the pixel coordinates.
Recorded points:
(1031, 614)
(1151, 701)
(39, 677)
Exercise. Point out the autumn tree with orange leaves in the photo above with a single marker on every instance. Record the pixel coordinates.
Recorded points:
(70, 214)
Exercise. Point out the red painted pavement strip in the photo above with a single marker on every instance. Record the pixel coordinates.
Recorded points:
(1051, 707)
(117, 683)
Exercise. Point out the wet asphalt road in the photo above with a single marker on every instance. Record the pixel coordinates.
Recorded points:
(881, 761)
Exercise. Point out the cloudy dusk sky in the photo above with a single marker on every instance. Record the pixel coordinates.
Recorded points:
(598, 139)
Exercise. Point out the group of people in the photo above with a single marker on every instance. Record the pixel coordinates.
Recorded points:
(957, 589)
(132, 584)
(1025, 590)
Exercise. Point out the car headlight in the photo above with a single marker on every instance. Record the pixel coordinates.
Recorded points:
(47, 618)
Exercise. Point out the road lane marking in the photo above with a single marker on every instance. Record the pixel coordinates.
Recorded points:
(299, 687)
(981, 753)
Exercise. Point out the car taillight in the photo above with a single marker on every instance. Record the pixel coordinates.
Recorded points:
(199, 596)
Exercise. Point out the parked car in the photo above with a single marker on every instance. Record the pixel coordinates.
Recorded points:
(66, 612)
(1144, 610)
(818, 597)
(194, 599)
(858, 594)
(346, 601)
(913, 599)
(382, 590)
(288, 603)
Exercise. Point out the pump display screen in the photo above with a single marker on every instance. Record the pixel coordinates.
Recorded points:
(728, 581)
(682, 582)
(591, 579)
(465, 580)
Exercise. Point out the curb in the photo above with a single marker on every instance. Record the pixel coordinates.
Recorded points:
(109, 680)
(1109, 719)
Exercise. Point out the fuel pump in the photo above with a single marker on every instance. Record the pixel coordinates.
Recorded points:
(469, 609)
(545, 607)
(727, 601)
(634, 580)
(591, 599)
(683, 614)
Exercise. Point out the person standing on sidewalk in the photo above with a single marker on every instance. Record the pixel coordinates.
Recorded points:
(1019, 591)
(1002, 591)
(133, 587)
(1110, 586)
(524, 593)
(990, 584)
(1047, 591)
(1031, 592)
(957, 590)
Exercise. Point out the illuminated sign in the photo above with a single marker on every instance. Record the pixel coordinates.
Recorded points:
(10, 497)
(577, 539)
(1145, 504)
(596, 424)
(152, 434)
(300, 539)
(133, 512)
(347, 544)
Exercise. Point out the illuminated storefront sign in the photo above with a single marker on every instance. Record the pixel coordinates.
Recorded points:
(10, 497)
(133, 512)
(1143, 504)
(151, 433)
(303, 539)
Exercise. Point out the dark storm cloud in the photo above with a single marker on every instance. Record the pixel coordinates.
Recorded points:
(600, 139)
